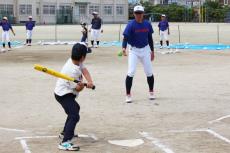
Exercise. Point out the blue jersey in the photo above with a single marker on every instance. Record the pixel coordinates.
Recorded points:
(30, 25)
(163, 25)
(6, 26)
(96, 23)
(137, 34)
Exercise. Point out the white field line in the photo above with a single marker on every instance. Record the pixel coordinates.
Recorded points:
(218, 136)
(35, 137)
(219, 119)
(187, 131)
(45, 137)
(92, 136)
(25, 146)
(13, 130)
(209, 131)
(156, 142)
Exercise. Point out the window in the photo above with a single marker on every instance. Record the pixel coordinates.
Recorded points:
(37, 11)
(120, 10)
(108, 10)
(93, 8)
(6, 9)
(225, 2)
(65, 9)
(25, 9)
(52, 9)
(49, 9)
(82, 9)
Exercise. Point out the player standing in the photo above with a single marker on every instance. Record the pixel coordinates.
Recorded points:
(6, 26)
(164, 30)
(138, 34)
(96, 29)
(29, 29)
(84, 32)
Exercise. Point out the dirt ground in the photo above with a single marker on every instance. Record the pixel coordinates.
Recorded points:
(192, 88)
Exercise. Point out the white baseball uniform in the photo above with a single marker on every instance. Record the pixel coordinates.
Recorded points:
(144, 56)
(5, 36)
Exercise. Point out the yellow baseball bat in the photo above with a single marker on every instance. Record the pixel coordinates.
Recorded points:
(56, 74)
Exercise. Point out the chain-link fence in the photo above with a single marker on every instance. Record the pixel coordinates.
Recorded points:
(194, 33)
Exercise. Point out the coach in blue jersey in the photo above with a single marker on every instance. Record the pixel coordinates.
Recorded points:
(29, 29)
(96, 29)
(138, 34)
(164, 30)
(6, 26)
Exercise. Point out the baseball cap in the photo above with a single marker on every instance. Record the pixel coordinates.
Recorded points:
(5, 18)
(79, 50)
(95, 13)
(163, 15)
(138, 8)
(30, 17)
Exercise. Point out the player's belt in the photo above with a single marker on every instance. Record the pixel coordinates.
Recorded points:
(138, 47)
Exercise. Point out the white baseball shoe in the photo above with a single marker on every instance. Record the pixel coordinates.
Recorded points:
(161, 47)
(151, 96)
(128, 99)
(68, 146)
(96, 46)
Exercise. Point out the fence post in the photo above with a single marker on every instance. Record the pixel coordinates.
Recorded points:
(119, 39)
(218, 33)
(56, 32)
(179, 33)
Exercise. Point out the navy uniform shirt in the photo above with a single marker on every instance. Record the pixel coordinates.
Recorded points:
(96, 23)
(30, 25)
(137, 34)
(6, 26)
(163, 25)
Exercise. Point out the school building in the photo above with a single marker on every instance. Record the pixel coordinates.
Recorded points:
(64, 11)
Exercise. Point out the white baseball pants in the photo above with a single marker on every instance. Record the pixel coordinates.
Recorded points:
(144, 56)
(164, 35)
(95, 34)
(28, 34)
(5, 36)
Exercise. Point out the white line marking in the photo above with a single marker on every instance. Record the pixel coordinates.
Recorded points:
(218, 135)
(219, 119)
(43, 137)
(35, 137)
(156, 142)
(14, 130)
(215, 134)
(25, 146)
(93, 137)
(187, 131)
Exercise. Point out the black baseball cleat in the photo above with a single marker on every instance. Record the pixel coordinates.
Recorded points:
(89, 50)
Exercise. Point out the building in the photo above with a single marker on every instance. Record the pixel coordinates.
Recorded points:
(64, 11)
(224, 2)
